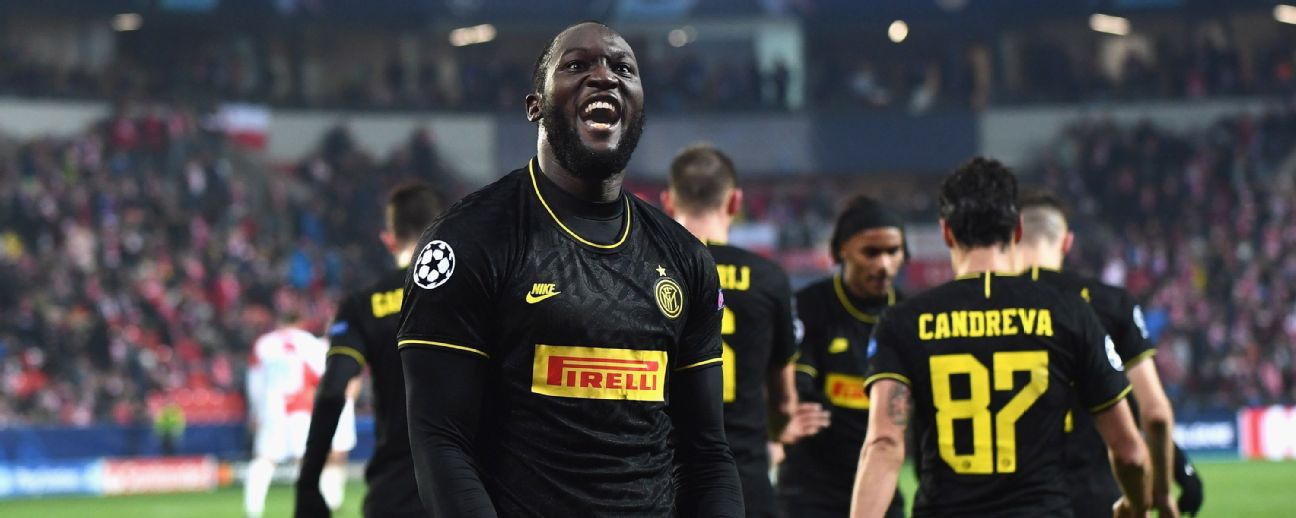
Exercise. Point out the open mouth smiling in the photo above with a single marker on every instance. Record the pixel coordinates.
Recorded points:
(601, 113)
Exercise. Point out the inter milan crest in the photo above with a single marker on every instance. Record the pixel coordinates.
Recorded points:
(670, 299)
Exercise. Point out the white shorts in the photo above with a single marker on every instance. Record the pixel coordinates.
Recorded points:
(281, 437)
(344, 439)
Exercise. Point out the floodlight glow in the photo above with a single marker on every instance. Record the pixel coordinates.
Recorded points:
(1285, 14)
(127, 22)
(465, 36)
(1109, 24)
(898, 31)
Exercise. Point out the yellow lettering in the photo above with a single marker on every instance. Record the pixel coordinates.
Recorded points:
(1045, 326)
(734, 278)
(925, 320)
(385, 303)
(1028, 320)
(942, 326)
(959, 324)
(992, 323)
(976, 324)
(1009, 329)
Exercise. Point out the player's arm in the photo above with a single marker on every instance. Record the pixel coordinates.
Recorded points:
(890, 407)
(705, 473)
(344, 364)
(1128, 454)
(1102, 388)
(809, 416)
(1157, 419)
(442, 341)
(256, 386)
(1155, 413)
(443, 395)
(780, 376)
(883, 451)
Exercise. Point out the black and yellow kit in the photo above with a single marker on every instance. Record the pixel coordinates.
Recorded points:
(818, 474)
(1089, 474)
(759, 336)
(994, 363)
(365, 330)
(583, 344)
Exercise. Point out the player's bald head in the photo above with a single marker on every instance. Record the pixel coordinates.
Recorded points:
(1044, 219)
(540, 72)
(701, 178)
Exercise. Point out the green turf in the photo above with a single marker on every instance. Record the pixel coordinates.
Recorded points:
(1252, 489)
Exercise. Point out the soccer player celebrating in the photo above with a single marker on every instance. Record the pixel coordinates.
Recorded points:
(759, 328)
(987, 366)
(1046, 239)
(839, 315)
(364, 333)
(561, 337)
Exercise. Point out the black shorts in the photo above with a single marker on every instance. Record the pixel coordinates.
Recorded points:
(798, 506)
(1093, 491)
(758, 494)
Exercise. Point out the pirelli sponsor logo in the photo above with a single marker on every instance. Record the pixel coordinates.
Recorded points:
(599, 373)
(846, 391)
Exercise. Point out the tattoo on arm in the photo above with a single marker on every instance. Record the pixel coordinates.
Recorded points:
(899, 408)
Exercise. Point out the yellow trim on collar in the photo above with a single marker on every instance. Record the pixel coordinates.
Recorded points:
(850, 308)
(624, 234)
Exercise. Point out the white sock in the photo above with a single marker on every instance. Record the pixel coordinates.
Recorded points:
(333, 484)
(256, 485)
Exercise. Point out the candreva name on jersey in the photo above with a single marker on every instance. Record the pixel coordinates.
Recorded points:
(985, 323)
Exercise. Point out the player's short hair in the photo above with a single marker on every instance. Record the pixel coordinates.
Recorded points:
(701, 177)
(978, 202)
(411, 208)
(539, 73)
(1043, 215)
(862, 212)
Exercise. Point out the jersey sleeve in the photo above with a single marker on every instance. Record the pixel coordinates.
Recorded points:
(450, 290)
(1101, 381)
(1130, 334)
(788, 329)
(699, 345)
(344, 333)
(884, 358)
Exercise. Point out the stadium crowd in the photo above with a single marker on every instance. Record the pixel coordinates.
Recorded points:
(140, 257)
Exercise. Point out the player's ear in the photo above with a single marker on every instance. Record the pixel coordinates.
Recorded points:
(668, 202)
(735, 202)
(533, 106)
(388, 239)
(1067, 241)
(946, 234)
(1017, 232)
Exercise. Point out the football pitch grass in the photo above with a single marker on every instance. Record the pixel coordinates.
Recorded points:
(1233, 488)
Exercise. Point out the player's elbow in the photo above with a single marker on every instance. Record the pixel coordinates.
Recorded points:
(1129, 454)
(884, 447)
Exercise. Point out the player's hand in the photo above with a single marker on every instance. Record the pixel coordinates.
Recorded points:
(776, 454)
(310, 502)
(1165, 506)
(1123, 509)
(809, 419)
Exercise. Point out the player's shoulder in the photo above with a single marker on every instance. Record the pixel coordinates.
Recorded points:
(729, 254)
(489, 205)
(657, 225)
(814, 294)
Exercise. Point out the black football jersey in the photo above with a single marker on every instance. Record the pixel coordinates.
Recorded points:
(820, 469)
(1122, 318)
(758, 333)
(582, 341)
(365, 329)
(994, 363)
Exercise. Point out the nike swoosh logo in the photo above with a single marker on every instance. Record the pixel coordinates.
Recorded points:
(532, 299)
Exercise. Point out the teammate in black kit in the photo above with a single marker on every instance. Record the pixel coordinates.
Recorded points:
(364, 334)
(994, 362)
(560, 337)
(839, 314)
(1045, 242)
(759, 326)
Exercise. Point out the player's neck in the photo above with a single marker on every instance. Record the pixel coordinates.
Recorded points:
(995, 258)
(404, 254)
(1030, 256)
(708, 227)
(594, 191)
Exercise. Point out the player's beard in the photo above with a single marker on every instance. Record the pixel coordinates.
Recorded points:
(581, 161)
